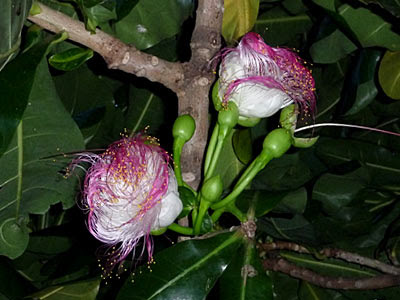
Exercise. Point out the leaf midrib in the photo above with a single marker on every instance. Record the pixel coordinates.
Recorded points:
(228, 242)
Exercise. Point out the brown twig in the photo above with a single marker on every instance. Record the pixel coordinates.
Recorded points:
(335, 253)
(370, 283)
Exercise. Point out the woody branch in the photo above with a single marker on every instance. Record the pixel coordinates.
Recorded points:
(191, 81)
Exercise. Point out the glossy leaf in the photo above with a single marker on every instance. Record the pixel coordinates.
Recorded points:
(363, 80)
(375, 32)
(278, 28)
(188, 200)
(307, 291)
(70, 59)
(245, 278)
(16, 85)
(389, 74)
(384, 165)
(187, 270)
(262, 201)
(295, 228)
(13, 14)
(228, 165)
(328, 267)
(241, 141)
(29, 182)
(287, 172)
(239, 18)
(141, 27)
(336, 191)
(332, 48)
(84, 290)
(391, 6)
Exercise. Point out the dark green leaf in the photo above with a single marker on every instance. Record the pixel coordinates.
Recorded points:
(12, 284)
(328, 267)
(279, 28)
(382, 163)
(332, 48)
(285, 287)
(286, 172)
(389, 74)
(228, 165)
(29, 182)
(141, 27)
(241, 141)
(245, 278)
(263, 201)
(374, 32)
(84, 290)
(12, 17)
(336, 191)
(16, 81)
(308, 291)
(363, 80)
(187, 270)
(188, 200)
(391, 6)
(296, 229)
(70, 59)
(145, 110)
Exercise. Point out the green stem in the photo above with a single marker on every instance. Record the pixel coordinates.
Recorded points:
(204, 205)
(243, 182)
(195, 213)
(223, 133)
(217, 214)
(211, 148)
(20, 144)
(232, 208)
(181, 229)
(177, 149)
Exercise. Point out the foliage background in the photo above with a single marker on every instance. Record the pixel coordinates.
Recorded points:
(342, 193)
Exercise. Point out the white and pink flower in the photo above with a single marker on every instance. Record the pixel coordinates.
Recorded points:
(261, 79)
(129, 190)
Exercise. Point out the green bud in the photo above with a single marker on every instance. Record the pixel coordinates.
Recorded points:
(184, 127)
(288, 117)
(212, 189)
(215, 97)
(278, 142)
(228, 117)
(248, 122)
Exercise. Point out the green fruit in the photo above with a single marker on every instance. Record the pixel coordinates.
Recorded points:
(184, 127)
(212, 189)
(278, 142)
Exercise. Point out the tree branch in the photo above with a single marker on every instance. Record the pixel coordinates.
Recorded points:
(117, 54)
(190, 81)
(334, 253)
(194, 97)
(376, 282)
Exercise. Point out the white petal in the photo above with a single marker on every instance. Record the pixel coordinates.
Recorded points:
(171, 205)
(256, 100)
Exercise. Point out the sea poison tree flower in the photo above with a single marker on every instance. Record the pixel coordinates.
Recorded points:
(129, 190)
(261, 79)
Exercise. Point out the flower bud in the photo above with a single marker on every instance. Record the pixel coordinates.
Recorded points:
(184, 127)
(228, 117)
(277, 142)
(212, 189)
